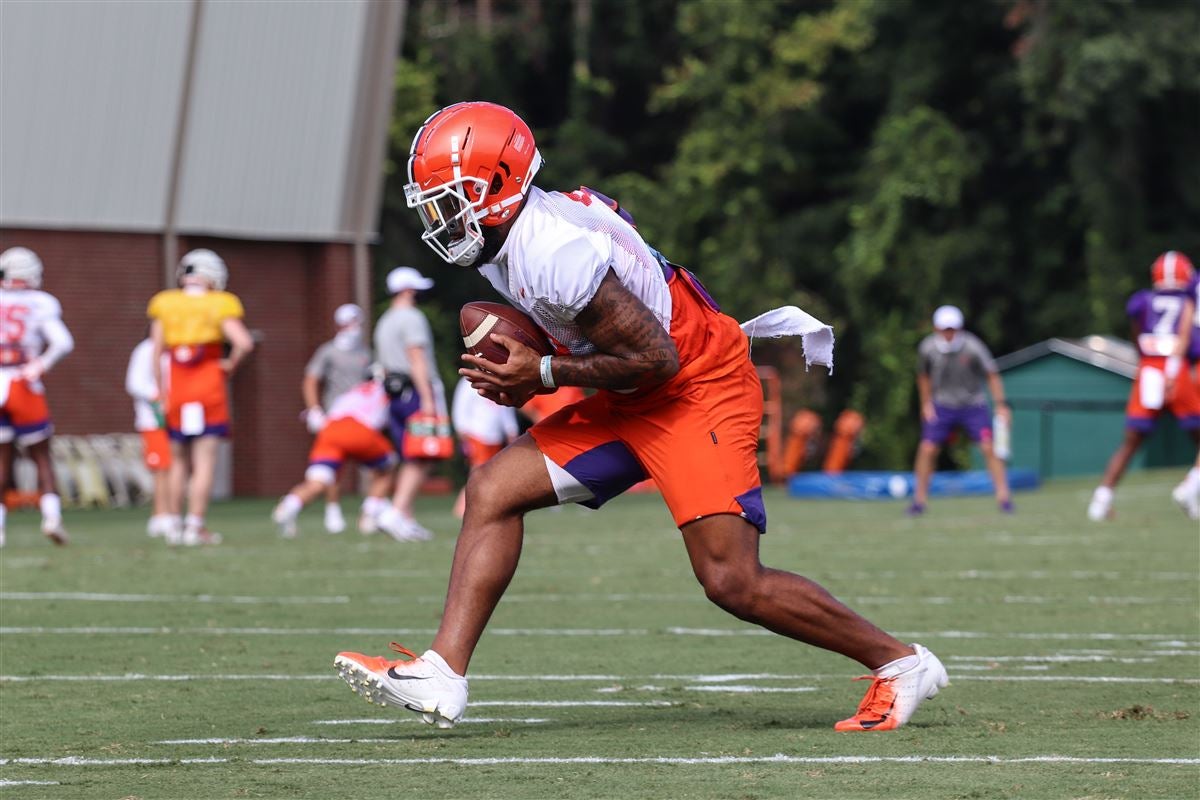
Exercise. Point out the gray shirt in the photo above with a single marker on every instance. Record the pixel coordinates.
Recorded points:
(958, 377)
(339, 369)
(399, 329)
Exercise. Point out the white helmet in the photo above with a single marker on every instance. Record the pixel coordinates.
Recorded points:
(205, 264)
(20, 264)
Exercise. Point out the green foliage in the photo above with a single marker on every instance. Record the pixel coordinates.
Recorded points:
(867, 160)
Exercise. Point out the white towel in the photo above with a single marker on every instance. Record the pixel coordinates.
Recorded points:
(815, 336)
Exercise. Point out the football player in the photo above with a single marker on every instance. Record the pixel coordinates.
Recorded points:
(1187, 493)
(141, 383)
(351, 430)
(32, 340)
(677, 400)
(191, 324)
(1158, 316)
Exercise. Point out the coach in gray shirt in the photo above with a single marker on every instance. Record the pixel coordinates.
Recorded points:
(404, 348)
(334, 369)
(952, 368)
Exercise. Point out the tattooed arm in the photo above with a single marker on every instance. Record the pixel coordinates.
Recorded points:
(632, 349)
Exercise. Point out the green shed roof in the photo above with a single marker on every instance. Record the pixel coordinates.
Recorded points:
(1106, 352)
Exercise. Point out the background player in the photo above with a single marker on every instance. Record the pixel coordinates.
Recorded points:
(404, 348)
(32, 340)
(141, 383)
(190, 324)
(1187, 493)
(1156, 315)
(483, 427)
(334, 369)
(351, 431)
(952, 367)
(679, 400)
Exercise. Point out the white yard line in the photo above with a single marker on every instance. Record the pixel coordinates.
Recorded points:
(102, 597)
(75, 761)
(1163, 639)
(182, 678)
(5, 782)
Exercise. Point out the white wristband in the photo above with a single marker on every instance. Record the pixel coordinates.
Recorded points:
(547, 374)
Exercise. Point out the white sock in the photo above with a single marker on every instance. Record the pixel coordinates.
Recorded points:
(439, 662)
(333, 508)
(1103, 494)
(897, 667)
(51, 507)
(193, 521)
(374, 505)
(291, 504)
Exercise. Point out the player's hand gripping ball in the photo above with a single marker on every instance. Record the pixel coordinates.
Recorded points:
(479, 320)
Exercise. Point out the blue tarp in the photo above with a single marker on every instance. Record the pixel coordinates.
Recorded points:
(894, 485)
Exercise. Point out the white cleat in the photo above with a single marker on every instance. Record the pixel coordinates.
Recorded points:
(334, 521)
(55, 532)
(285, 522)
(1187, 500)
(891, 702)
(1100, 508)
(401, 528)
(423, 685)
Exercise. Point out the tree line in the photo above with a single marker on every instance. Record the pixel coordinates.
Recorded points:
(867, 160)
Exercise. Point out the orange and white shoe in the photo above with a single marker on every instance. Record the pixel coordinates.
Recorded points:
(890, 702)
(424, 684)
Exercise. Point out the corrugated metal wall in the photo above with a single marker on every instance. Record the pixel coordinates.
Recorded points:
(89, 96)
(89, 104)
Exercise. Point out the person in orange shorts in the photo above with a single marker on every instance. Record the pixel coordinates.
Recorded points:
(32, 340)
(141, 383)
(483, 429)
(1161, 321)
(678, 400)
(351, 431)
(190, 326)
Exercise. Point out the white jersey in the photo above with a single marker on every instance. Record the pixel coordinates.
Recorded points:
(141, 383)
(559, 250)
(368, 403)
(475, 416)
(31, 327)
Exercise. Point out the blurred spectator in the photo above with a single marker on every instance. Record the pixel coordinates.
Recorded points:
(1161, 318)
(141, 383)
(32, 340)
(404, 348)
(483, 429)
(952, 367)
(350, 431)
(334, 369)
(190, 324)
(1187, 493)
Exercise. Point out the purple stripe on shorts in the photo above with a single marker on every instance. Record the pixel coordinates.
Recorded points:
(221, 430)
(333, 464)
(403, 406)
(753, 509)
(606, 470)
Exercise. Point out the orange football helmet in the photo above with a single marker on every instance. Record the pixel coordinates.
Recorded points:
(470, 166)
(1172, 270)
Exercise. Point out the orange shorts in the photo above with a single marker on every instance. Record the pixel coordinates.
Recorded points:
(541, 406)
(1183, 402)
(24, 414)
(156, 449)
(345, 438)
(479, 452)
(696, 436)
(198, 397)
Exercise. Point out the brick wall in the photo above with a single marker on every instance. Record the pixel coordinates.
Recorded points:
(104, 281)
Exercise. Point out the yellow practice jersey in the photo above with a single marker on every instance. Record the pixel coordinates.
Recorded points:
(193, 319)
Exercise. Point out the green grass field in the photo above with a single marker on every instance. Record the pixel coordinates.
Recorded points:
(130, 670)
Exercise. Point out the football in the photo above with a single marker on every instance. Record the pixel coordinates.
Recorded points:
(478, 320)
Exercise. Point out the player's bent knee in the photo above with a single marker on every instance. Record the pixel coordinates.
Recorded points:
(321, 473)
(732, 589)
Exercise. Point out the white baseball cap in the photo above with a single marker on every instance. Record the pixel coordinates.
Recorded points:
(346, 314)
(402, 278)
(948, 317)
